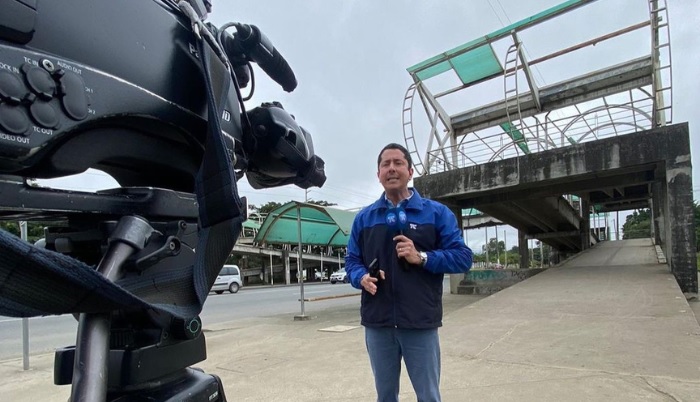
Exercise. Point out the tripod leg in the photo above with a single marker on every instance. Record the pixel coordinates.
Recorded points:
(222, 396)
(92, 344)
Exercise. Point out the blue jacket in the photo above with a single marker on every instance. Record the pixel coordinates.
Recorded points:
(411, 295)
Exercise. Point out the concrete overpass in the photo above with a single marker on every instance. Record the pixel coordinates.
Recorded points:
(650, 168)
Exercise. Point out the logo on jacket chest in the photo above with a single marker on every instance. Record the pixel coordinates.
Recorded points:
(412, 226)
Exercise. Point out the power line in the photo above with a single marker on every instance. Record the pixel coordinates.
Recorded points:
(354, 193)
(494, 11)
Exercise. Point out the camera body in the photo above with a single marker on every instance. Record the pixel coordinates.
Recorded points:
(118, 86)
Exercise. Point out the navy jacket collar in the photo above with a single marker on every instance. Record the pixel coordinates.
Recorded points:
(415, 202)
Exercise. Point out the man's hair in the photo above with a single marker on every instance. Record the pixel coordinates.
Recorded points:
(401, 148)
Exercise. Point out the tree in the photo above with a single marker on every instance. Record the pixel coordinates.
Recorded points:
(321, 203)
(35, 231)
(494, 246)
(637, 225)
(269, 207)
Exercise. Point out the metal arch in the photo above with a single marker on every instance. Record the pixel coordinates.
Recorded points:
(514, 144)
(601, 108)
(409, 133)
(612, 124)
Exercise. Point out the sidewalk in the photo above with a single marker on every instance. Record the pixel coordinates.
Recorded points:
(611, 324)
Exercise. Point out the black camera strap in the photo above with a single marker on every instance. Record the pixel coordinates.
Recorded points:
(35, 281)
(221, 212)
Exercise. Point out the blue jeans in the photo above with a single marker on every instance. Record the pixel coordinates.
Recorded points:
(420, 350)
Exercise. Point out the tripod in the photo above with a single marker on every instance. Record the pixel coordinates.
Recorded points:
(136, 234)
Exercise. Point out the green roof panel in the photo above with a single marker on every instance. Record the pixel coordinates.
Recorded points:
(421, 69)
(516, 135)
(319, 225)
(476, 64)
(433, 71)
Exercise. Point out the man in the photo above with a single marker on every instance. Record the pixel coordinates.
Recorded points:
(402, 304)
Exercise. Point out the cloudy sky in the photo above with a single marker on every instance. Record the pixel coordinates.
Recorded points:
(350, 59)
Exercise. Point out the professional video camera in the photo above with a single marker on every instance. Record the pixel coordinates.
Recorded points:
(149, 93)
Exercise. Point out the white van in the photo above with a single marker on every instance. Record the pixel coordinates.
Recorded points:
(229, 279)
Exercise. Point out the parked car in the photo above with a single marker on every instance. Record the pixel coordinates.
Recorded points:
(339, 276)
(229, 279)
(319, 276)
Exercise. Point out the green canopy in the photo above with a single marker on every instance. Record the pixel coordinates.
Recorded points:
(322, 226)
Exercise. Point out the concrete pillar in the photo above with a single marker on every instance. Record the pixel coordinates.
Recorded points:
(680, 229)
(658, 213)
(287, 273)
(524, 252)
(585, 224)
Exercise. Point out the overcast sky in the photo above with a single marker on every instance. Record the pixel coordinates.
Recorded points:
(350, 59)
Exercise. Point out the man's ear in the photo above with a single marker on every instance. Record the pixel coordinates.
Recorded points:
(410, 173)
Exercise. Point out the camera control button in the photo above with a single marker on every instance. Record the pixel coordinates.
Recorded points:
(13, 119)
(40, 81)
(74, 98)
(12, 89)
(44, 114)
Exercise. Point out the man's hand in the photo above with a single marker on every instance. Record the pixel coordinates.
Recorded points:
(370, 284)
(405, 249)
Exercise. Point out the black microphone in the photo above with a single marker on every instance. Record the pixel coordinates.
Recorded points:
(258, 48)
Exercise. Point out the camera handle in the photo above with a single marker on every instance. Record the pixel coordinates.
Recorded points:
(92, 344)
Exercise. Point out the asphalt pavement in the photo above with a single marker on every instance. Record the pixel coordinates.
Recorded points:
(609, 324)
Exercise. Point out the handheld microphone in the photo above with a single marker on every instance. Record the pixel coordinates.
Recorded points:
(397, 221)
(403, 219)
(392, 220)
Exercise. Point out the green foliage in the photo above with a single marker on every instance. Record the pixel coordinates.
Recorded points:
(11, 227)
(321, 203)
(271, 206)
(494, 246)
(696, 206)
(637, 225)
(35, 231)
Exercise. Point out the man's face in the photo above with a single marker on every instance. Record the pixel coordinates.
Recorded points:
(394, 173)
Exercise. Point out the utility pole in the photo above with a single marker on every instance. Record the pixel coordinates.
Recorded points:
(498, 258)
(505, 250)
(25, 320)
(486, 247)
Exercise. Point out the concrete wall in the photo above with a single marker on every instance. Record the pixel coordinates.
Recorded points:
(490, 281)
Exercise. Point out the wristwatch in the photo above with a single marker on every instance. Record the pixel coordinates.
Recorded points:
(423, 258)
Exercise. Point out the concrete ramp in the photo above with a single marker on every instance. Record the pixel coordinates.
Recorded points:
(610, 324)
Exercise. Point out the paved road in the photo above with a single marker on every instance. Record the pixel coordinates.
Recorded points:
(48, 333)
